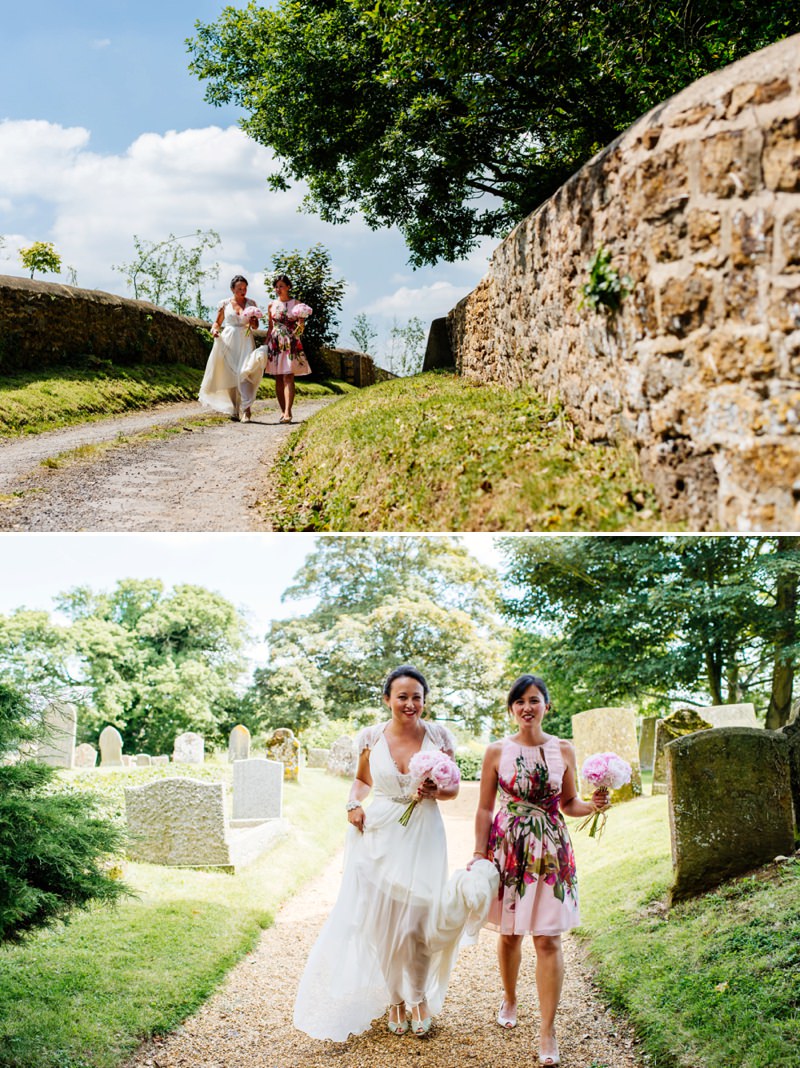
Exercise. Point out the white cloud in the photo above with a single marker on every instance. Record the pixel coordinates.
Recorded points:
(101, 42)
(426, 301)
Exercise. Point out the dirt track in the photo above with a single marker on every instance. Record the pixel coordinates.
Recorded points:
(205, 476)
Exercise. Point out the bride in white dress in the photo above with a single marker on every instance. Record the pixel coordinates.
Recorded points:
(394, 932)
(223, 387)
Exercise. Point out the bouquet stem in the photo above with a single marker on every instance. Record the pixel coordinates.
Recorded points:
(407, 813)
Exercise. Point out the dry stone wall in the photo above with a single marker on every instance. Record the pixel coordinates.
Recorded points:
(699, 202)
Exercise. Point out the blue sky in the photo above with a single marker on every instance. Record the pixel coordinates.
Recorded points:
(105, 134)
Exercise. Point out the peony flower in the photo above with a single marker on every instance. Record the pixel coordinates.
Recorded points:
(605, 771)
(434, 766)
(300, 311)
(250, 313)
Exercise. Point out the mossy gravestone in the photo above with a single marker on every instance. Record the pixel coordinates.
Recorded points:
(684, 721)
(791, 733)
(730, 805)
(283, 746)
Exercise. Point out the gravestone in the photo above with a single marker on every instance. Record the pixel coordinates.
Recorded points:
(318, 758)
(143, 760)
(343, 759)
(257, 789)
(57, 747)
(791, 733)
(189, 749)
(85, 756)
(647, 742)
(239, 744)
(608, 730)
(684, 721)
(128, 761)
(743, 715)
(159, 761)
(283, 746)
(110, 742)
(177, 821)
(726, 815)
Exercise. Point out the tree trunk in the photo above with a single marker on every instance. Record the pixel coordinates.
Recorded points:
(780, 702)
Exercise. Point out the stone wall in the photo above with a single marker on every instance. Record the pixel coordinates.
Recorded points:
(699, 202)
(45, 324)
(349, 365)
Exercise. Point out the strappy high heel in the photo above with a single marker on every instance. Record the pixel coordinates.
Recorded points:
(397, 1027)
(420, 1028)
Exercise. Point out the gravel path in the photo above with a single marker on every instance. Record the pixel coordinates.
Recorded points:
(248, 1022)
(209, 477)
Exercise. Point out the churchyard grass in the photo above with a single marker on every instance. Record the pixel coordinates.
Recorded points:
(435, 452)
(31, 403)
(85, 995)
(714, 982)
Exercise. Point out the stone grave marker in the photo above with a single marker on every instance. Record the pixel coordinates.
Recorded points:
(318, 758)
(110, 742)
(743, 715)
(143, 760)
(726, 815)
(85, 756)
(189, 749)
(608, 730)
(791, 733)
(283, 746)
(343, 759)
(128, 761)
(177, 821)
(647, 742)
(160, 761)
(684, 721)
(257, 790)
(57, 747)
(239, 744)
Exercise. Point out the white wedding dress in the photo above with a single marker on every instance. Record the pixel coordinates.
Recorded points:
(393, 934)
(223, 385)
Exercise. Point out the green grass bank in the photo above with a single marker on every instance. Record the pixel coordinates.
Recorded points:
(32, 403)
(435, 452)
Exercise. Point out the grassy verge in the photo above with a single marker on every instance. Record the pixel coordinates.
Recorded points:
(85, 995)
(713, 983)
(435, 452)
(32, 403)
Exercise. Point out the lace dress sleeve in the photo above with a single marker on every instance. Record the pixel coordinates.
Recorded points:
(367, 737)
(441, 736)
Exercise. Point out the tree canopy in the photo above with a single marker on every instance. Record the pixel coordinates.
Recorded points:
(710, 619)
(455, 119)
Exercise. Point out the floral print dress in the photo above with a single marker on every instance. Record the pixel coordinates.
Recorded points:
(530, 845)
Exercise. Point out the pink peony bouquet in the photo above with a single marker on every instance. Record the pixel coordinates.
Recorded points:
(605, 771)
(250, 313)
(298, 314)
(431, 765)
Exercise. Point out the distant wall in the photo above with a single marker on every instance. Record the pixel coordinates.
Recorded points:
(44, 324)
(699, 201)
(351, 366)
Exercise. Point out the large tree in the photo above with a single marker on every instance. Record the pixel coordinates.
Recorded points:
(383, 602)
(656, 618)
(455, 119)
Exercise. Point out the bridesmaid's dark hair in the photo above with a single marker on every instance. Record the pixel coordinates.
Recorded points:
(402, 672)
(282, 278)
(238, 278)
(520, 685)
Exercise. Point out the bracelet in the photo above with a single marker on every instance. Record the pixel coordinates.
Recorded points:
(352, 805)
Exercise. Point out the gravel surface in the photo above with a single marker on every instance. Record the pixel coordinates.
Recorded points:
(209, 477)
(248, 1022)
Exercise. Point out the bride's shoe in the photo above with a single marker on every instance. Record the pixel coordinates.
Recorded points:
(550, 1060)
(246, 416)
(507, 1018)
(420, 1027)
(397, 1027)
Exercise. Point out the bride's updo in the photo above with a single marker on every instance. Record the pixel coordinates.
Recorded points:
(402, 672)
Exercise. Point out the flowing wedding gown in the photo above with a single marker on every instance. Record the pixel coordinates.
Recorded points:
(223, 384)
(393, 934)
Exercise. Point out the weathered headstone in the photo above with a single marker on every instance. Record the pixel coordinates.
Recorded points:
(608, 730)
(318, 758)
(726, 815)
(342, 759)
(647, 742)
(189, 749)
(743, 715)
(239, 744)
(143, 760)
(57, 747)
(128, 761)
(791, 733)
(85, 756)
(684, 721)
(257, 789)
(283, 746)
(110, 742)
(160, 761)
(177, 821)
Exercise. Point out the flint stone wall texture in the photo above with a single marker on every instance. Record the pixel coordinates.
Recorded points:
(699, 202)
(608, 730)
(730, 805)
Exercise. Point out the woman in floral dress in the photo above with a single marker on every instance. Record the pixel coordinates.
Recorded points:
(285, 356)
(534, 778)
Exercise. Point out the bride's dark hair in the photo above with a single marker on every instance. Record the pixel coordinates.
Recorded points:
(238, 278)
(402, 672)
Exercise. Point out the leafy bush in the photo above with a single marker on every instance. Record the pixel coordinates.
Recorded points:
(469, 764)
